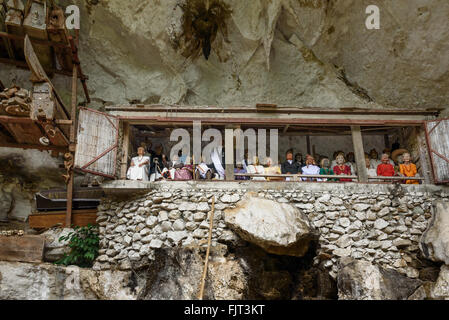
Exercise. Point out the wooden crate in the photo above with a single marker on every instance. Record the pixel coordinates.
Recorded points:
(27, 248)
(80, 218)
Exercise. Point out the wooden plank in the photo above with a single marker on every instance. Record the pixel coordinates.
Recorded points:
(280, 109)
(359, 153)
(68, 217)
(424, 160)
(80, 218)
(27, 248)
(229, 154)
(125, 151)
(24, 133)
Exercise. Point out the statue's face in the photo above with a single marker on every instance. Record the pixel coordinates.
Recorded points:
(298, 157)
(350, 157)
(140, 151)
(406, 157)
(289, 156)
(309, 160)
(373, 154)
(326, 163)
(340, 159)
(256, 161)
(385, 159)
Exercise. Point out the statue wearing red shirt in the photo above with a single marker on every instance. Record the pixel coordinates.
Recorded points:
(385, 169)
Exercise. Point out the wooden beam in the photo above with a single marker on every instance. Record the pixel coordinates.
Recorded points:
(125, 151)
(424, 159)
(387, 141)
(359, 153)
(229, 154)
(68, 219)
(279, 109)
(308, 144)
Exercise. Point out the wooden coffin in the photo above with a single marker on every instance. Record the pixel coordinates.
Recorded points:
(43, 103)
(35, 25)
(80, 218)
(57, 32)
(53, 200)
(13, 24)
(27, 248)
(4, 43)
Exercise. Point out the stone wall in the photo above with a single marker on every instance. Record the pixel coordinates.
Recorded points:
(379, 223)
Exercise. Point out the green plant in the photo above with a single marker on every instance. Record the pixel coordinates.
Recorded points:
(84, 246)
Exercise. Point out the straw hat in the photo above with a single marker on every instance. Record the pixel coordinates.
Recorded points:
(397, 153)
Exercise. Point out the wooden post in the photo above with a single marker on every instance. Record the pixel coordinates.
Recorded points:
(359, 153)
(72, 148)
(386, 141)
(211, 223)
(229, 154)
(424, 157)
(308, 144)
(125, 150)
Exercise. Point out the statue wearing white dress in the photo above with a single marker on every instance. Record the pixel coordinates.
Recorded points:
(139, 166)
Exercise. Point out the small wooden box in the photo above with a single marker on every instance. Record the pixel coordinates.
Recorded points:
(27, 248)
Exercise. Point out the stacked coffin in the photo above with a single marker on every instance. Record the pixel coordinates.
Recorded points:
(15, 101)
(41, 23)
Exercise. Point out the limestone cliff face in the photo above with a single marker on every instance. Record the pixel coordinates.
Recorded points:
(290, 52)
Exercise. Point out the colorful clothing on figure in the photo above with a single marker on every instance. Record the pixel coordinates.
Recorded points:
(385, 170)
(326, 172)
(409, 171)
(346, 170)
(272, 170)
(241, 170)
(312, 170)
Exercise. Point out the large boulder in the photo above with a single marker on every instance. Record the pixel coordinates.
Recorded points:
(55, 249)
(361, 280)
(434, 242)
(438, 290)
(278, 228)
(175, 274)
(45, 281)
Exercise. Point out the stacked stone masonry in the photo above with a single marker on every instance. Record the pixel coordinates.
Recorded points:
(381, 224)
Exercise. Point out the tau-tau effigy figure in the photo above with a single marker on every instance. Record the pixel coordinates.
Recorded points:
(139, 166)
(326, 169)
(341, 168)
(310, 168)
(408, 169)
(385, 169)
